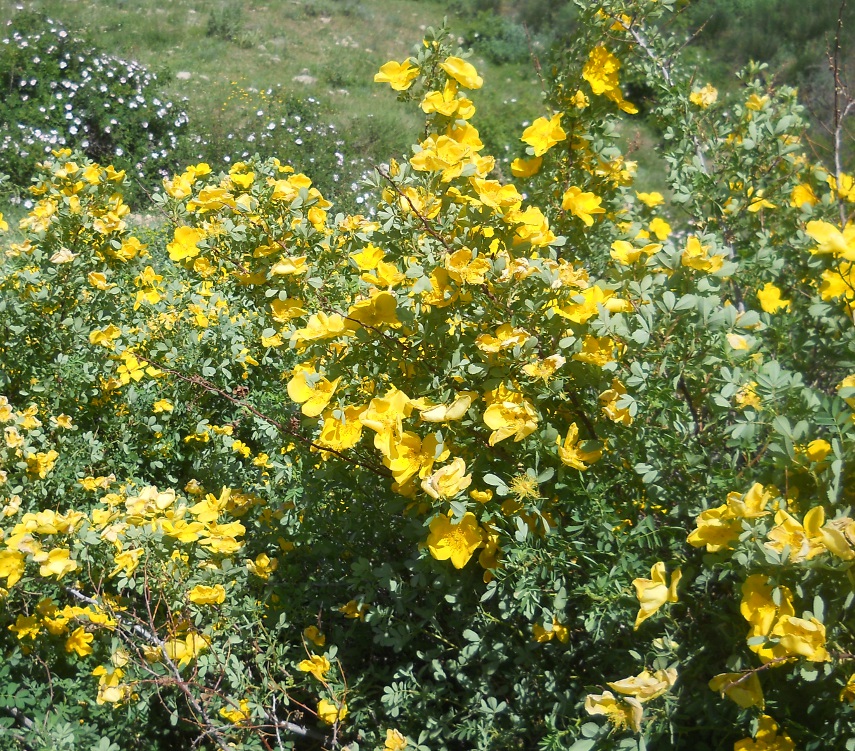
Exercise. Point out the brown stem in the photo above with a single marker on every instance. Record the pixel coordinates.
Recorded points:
(428, 228)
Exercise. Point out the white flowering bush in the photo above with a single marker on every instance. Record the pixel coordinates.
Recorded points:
(58, 91)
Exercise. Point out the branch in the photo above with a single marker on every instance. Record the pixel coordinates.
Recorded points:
(209, 727)
(684, 390)
(840, 113)
(430, 230)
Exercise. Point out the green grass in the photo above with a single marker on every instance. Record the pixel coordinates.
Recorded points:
(256, 47)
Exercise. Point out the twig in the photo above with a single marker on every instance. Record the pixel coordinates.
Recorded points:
(684, 390)
(208, 726)
(840, 113)
(430, 230)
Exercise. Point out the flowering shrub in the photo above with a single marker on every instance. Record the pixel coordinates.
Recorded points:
(560, 462)
(60, 92)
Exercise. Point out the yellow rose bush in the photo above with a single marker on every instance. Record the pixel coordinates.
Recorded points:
(557, 462)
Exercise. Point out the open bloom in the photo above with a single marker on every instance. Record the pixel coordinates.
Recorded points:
(507, 419)
(399, 76)
(653, 593)
(572, 454)
(619, 711)
(456, 542)
(462, 72)
(742, 688)
(581, 204)
(447, 481)
(543, 134)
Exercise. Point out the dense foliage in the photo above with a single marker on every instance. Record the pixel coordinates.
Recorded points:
(556, 463)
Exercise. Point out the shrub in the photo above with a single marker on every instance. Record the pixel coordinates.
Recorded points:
(554, 463)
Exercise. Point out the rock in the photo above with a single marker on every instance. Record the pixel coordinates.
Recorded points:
(183, 75)
(305, 78)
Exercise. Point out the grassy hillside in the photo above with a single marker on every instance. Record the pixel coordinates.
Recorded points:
(252, 76)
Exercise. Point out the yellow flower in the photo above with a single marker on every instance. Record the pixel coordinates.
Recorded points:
(571, 452)
(331, 713)
(695, 256)
(316, 665)
(817, 450)
(595, 350)
(646, 686)
(354, 610)
(12, 566)
(127, 561)
(79, 642)
(770, 299)
(508, 418)
(312, 390)
(399, 76)
(202, 595)
(544, 369)
(262, 566)
(601, 73)
(24, 626)
(756, 102)
(625, 253)
(394, 741)
(183, 651)
(444, 412)
(462, 72)
(376, 311)
(583, 205)
(620, 712)
(801, 195)
(543, 134)
(292, 266)
(831, 240)
(185, 243)
(704, 97)
(385, 416)
(283, 311)
(236, 715)
(803, 541)
(653, 593)
(848, 692)
(40, 464)
(554, 630)
(162, 405)
(797, 636)
(747, 396)
(454, 541)
(447, 481)
(342, 429)
(313, 634)
(767, 738)
(660, 228)
(752, 505)
(743, 688)
(526, 167)
(609, 400)
(57, 563)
